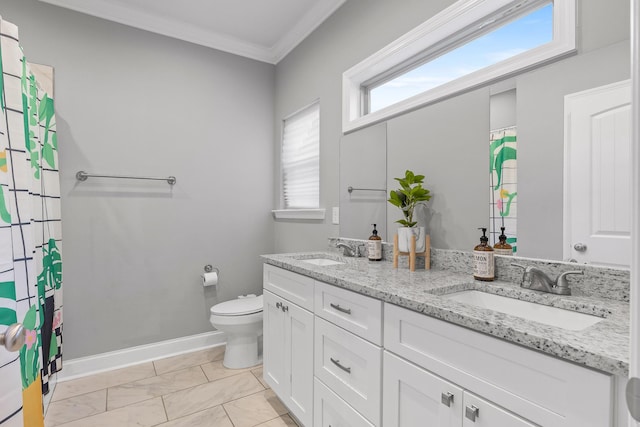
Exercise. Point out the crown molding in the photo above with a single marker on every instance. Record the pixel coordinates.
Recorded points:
(312, 20)
(179, 30)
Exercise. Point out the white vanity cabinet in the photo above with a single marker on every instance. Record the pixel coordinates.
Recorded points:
(337, 358)
(492, 374)
(288, 339)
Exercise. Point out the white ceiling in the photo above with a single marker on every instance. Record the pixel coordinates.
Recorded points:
(265, 30)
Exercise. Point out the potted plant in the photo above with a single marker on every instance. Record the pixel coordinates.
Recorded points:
(407, 197)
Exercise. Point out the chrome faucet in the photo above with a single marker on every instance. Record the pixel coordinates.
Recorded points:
(349, 250)
(539, 281)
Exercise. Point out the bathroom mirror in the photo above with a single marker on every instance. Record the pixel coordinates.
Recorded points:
(448, 141)
(363, 181)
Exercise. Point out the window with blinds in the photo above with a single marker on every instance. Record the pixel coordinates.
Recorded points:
(301, 159)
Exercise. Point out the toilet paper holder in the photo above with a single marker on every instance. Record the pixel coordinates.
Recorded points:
(209, 268)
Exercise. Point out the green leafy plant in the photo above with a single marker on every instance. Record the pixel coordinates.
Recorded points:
(408, 196)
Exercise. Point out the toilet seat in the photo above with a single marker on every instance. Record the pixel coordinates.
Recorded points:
(238, 307)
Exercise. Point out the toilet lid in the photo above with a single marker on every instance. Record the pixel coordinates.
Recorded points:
(238, 307)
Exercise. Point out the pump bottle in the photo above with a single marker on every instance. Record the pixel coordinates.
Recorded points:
(483, 262)
(502, 247)
(374, 246)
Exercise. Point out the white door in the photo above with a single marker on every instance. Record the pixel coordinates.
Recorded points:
(413, 397)
(634, 361)
(10, 381)
(597, 211)
(299, 358)
(273, 363)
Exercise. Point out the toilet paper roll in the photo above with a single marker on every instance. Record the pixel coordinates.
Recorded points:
(210, 279)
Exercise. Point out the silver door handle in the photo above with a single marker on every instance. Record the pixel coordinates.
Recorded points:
(471, 412)
(580, 247)
(633, 397)
(340, 365)
(13, 338)
(446, 399)
(343, 310)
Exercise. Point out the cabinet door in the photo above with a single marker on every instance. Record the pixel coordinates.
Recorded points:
(299, 359)
(480, 413)
(274, 344)
(413, 397)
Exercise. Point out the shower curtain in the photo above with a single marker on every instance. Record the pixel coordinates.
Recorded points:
(503, 177)
(30, 236)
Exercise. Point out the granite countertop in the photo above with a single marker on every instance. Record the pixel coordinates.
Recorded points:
(603, 346)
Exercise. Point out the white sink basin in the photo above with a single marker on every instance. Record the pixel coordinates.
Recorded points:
(558, 317)
(322, 261)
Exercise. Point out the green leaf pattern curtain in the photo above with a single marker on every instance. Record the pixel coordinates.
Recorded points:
(503, 169)
(30, 236)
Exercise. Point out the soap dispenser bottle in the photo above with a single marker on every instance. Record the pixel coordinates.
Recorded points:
(502, 247)
(483, 263)
(374, 246)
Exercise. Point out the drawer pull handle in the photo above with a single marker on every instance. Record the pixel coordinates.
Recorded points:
(471, 412)
(446, 399)
(279, 305)
(339, 365)
(285, 308)
(343, 310)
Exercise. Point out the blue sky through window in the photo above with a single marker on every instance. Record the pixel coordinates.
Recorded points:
(525, 33)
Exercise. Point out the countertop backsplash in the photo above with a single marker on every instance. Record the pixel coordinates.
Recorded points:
(600, 282)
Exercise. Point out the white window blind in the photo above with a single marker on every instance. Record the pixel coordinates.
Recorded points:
(301, 159)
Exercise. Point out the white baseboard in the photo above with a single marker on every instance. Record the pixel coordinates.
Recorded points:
(83, 366)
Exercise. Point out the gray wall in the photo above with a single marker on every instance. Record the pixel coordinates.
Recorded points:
(129, 101)
(447, 141)
(314, 70)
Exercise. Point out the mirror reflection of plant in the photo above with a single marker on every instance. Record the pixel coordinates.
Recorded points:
(408, 196)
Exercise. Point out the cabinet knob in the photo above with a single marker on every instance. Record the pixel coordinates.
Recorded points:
(471, 412)
(446, 399)
(279, 305)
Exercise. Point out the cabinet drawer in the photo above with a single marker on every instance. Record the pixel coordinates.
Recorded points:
(540, 388)
(331, 411)
(357, 313)
(291, 286)
(350, 366)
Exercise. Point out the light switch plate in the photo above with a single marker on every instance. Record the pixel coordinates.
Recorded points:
(336, 215)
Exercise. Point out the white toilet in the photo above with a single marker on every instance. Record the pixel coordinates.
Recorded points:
(241, 321)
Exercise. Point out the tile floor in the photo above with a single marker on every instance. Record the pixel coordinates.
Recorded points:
(190, 390)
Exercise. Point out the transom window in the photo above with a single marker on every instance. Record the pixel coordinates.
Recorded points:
(468, 44)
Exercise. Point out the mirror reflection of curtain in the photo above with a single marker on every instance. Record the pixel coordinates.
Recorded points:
(503, 180)
(30, 242)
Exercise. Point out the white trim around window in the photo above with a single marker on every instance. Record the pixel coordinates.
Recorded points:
(450, 23)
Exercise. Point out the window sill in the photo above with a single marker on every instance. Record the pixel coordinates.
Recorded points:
(308, 214)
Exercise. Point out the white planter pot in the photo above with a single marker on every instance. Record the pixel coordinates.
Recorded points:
(404, 238)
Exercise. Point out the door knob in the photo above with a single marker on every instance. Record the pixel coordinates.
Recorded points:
(13, 338)
(633, 397)
(580, 247)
